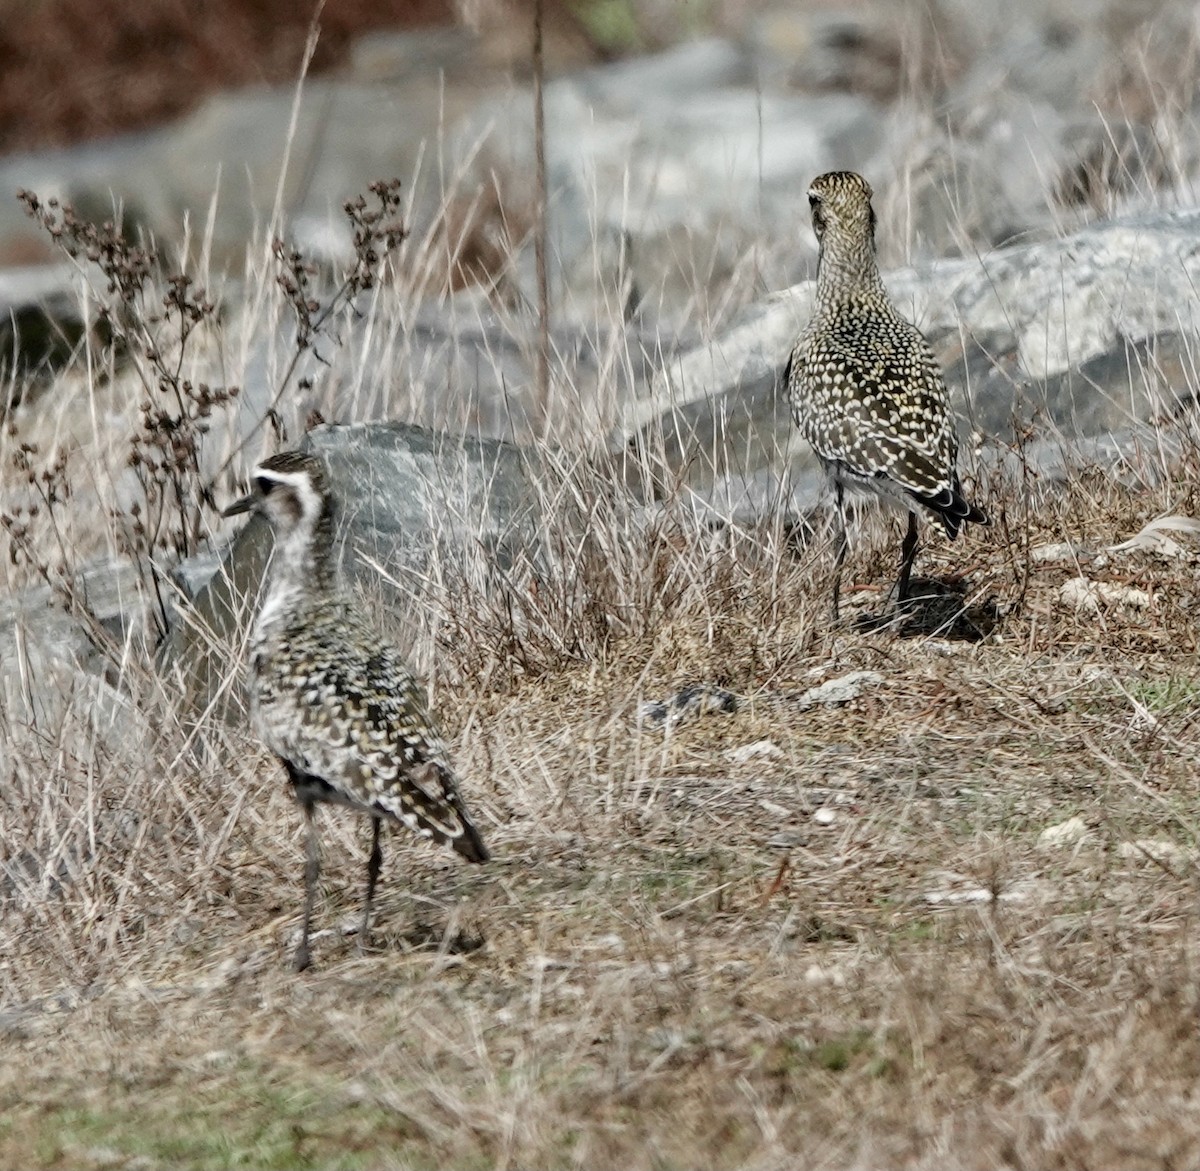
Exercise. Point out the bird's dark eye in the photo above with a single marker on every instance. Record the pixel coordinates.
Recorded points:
(264, 485)
(813, 200)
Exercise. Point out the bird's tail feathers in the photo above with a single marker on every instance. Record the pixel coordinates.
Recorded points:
(953, 508)
(427, 801)
(469, 844)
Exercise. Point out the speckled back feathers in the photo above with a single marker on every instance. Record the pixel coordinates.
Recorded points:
(865, 388)
(328, 694)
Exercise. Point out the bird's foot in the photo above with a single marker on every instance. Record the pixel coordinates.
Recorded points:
(302, 960)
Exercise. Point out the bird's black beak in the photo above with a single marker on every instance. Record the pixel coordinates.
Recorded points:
(246, 504)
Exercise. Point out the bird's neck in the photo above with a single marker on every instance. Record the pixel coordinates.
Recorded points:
(847, 268)
(303, 569)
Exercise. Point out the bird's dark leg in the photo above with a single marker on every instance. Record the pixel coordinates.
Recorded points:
(908, 554)
(312, 871)
(841, 542)
(374, 863)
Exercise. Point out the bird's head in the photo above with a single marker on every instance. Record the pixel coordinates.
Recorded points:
(290, 489)
(841, 203)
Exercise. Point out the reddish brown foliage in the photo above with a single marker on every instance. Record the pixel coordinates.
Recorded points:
(79, 69)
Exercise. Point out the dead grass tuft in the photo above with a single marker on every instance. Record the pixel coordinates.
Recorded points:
(951, 921)
(881, 940)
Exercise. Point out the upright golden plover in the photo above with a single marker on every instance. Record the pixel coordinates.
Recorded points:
(333, 700)
(865, 388)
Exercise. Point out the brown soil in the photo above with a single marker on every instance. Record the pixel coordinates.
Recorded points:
(952, 922)
(80, 69)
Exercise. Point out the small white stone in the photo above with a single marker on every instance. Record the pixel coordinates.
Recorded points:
(750, 751)
(840, 690)
(1062, 551)
(817, 974)
(978, 895)
(774, 809)
(824, 816)
(954, 898)
(1083, 594)
(1160, 850)
(1065, 833)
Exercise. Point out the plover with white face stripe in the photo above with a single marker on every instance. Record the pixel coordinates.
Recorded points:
(331, 698)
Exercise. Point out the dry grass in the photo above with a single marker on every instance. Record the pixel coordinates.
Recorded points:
(856, 947)
(857, 950)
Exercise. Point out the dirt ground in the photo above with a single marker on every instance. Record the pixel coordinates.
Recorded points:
(951, 922)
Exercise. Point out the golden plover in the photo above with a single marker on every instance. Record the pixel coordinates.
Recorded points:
(865, 388)
(332, 699)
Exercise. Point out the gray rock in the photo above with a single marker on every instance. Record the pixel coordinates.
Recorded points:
(41, 323)
(674, 173)
(1084, 336)
(834, 692)
(677, 74)
(53, 658)
(413, 503)
(238, 145)
(63, 173)
(457, 366)
(959, 192)
(678, 155)
(68, 674)
(1048, 58)
(408, 492)
(234, 149)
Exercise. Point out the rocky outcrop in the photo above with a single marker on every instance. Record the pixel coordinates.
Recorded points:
(416, 506)
(676, 183)
(41, 324)
(1063, 342)
(414, 503)
(59, 649)
(667, 169)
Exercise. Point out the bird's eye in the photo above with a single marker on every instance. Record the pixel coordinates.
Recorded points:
(264, 485)
(813, 200)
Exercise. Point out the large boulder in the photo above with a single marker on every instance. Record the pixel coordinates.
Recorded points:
(411, 503)
(1081, 337)
(239, 156)
(55, 653)
(662, 172)
(41, 325)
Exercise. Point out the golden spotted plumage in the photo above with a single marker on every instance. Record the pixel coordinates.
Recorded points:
(332, 698)
(865, 388)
